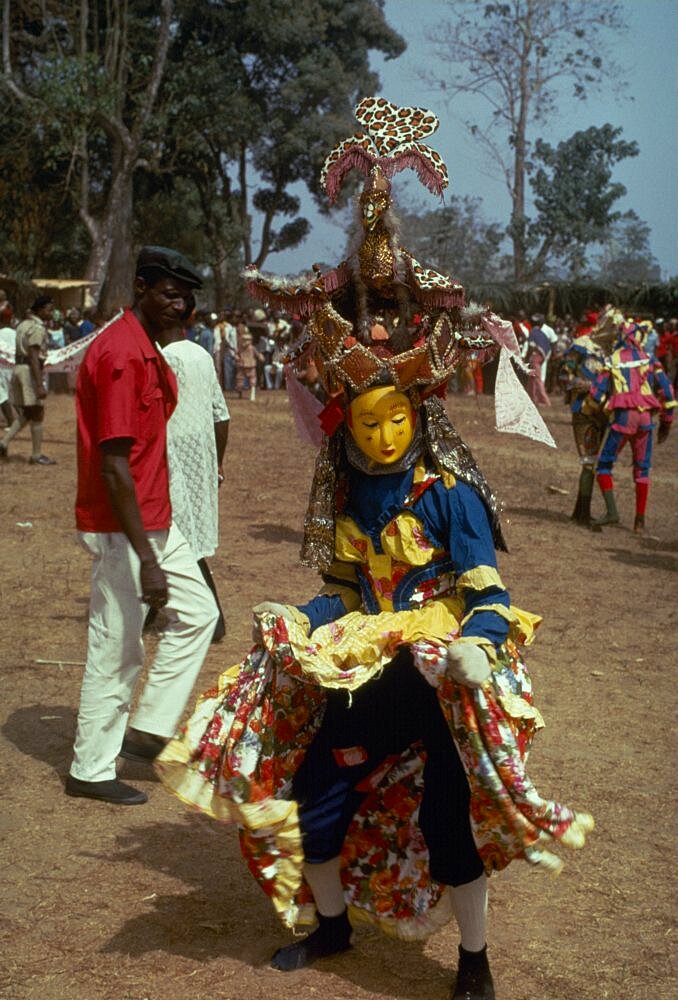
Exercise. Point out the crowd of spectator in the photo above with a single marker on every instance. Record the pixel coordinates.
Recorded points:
(248, 347)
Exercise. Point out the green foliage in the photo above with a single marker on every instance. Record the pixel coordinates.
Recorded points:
(574, 193)
(518, 59)
(266, 107)
(457, 240)
(253, 95)
(625, 254)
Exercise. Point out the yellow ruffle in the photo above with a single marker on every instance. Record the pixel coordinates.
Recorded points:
(522, 624)
(348, 652)
(479, 578)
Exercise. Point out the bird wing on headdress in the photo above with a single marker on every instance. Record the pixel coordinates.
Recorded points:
(300, 295)
(431, 288)
(391, 140)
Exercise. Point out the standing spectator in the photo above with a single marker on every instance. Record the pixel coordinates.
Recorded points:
(247, 359)
(88, 324)
(125, 394)
(8, 341)
(274, 369)
(203, 330)
(27, 388)
(538, 351)
(667, 350)
(55, 331)
(649, 336)
(72, 326)
(552, 337)
(6, 311)
(197, 434)
(521, 328)
(229, 348)
(260, 328)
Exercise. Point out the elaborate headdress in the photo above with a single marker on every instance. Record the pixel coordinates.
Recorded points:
(380, 317)
(390, 141)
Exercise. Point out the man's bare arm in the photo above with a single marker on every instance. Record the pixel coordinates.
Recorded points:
(123, 496)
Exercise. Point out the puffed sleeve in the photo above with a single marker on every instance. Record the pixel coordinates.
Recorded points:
(339, 595)
(486, 600)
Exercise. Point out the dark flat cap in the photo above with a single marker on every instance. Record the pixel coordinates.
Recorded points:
(171, 262)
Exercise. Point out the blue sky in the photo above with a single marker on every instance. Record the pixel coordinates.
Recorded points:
(647, 112)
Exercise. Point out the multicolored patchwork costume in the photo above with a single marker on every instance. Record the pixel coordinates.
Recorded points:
(373, 744)
(633, 387)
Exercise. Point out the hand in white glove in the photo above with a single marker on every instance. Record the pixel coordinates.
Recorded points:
(269, 608)
(468, 664)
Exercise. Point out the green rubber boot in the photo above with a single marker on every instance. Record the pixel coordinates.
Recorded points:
(611, 515)
(582, 510)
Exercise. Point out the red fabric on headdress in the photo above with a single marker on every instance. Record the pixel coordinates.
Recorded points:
(333, 415)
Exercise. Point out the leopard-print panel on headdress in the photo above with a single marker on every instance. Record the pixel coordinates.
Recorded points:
(391, 140)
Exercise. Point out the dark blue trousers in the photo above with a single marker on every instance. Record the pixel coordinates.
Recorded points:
(385, 716)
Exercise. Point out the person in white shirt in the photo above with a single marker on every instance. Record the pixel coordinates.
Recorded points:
(197, 434)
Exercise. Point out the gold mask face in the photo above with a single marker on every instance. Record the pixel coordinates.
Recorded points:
(381, 422)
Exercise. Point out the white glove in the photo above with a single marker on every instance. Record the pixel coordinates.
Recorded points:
(468, 664)
(270, 608)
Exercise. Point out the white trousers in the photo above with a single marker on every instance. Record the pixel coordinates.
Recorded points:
(115, 651)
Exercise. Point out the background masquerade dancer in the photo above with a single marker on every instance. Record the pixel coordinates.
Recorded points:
(581, 365)
(372, 745)
(633, 387)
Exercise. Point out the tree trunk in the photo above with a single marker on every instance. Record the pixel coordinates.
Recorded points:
(219, 271)
(117, 290)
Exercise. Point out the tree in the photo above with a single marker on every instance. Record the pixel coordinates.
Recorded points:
(513, 56)
(253, 117)
(458, 241)
(626, 255)
(240, 99)
(92, 72)
(574, 195)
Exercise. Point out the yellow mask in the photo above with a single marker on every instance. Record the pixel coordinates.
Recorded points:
(382, 423)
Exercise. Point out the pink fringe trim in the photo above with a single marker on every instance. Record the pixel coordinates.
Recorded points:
(357, 158)
(438, 298)
(301, 304)
(337, 278)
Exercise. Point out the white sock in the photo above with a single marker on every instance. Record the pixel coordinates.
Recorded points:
(325, 882)
(13, 430)
(469, 903)
(36, 438)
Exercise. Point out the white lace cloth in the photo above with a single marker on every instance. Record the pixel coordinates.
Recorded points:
(191, 448)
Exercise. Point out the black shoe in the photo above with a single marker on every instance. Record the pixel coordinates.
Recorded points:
(113, 791)
(331, 936)
(142, 747)
(3, 452)
(474, 979)
(41, 460)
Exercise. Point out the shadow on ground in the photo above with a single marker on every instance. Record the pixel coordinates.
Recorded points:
(224, 913)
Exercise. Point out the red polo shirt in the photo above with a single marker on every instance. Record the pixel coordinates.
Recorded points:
(125, 389)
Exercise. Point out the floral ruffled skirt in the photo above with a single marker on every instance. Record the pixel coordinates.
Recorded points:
(236, 756)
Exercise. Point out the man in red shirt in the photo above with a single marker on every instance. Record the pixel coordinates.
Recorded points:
(125, 395)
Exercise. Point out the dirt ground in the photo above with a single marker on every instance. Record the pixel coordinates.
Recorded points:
(154, 903)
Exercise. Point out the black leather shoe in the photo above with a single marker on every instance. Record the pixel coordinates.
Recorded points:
(113, 791)
(474, 979)
(141, 747)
